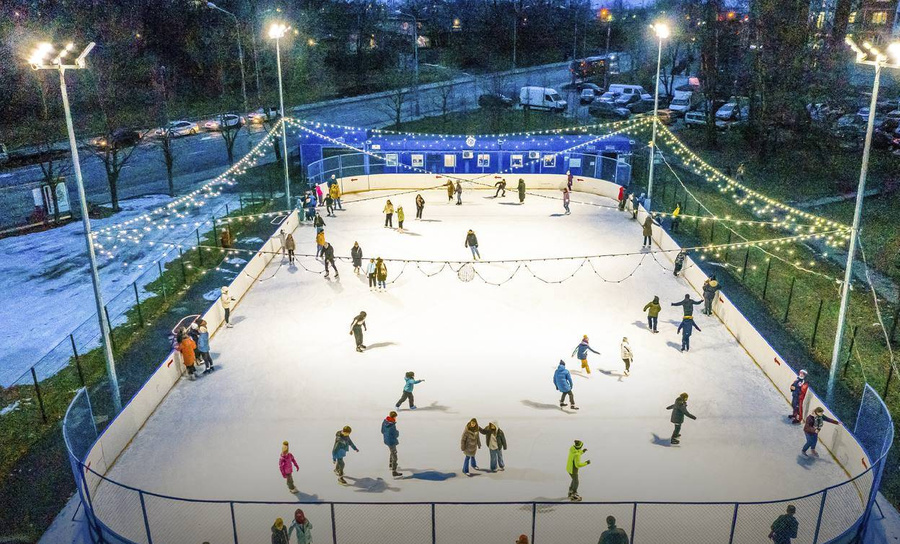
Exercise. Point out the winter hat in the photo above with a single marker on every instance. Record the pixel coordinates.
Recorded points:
(279, 523)
(393, 414)
(284, 446)
(610, 521)
(579, 444)
(562, 363)
(656, 300)
(522, 539)
(683, 396)
(802, 373)
(347, 429)
(585, 337)
(625, 339)
(299, 516)
(819, 410)
(195, 326)
(791, 509)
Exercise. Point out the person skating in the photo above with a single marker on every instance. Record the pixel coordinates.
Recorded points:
(328, 254)
(186, 347)
(635, 204)
(357, 326)
(569, 180)
(227, 301)
(388, 215)
(653, 308)
(370, 272)
(400, 217)
(319, 195)
(613, 534)
(798, 395)
(319, 223)
(627, 355)
(676, 217)
(282, 237)
(648, 231)
(203, 345)
(582, 350)
(450, 190)
(566, 200)
(686, 327)
(320, 243)
(420, 206)
(623, 199)
(562, 379)
(521, 189)
(335, 192)
(329, 205)
(279, 532)
(381, 273)
(356, 255)
(301, 526)
(679, 411)
(472, 244)
(573, 465)
(469, 444)
(501, 188)
(291, 245)
(679, 262)
(785, 527)
(411, 382)
(342, 444)
(226, 240)
(287, 464)
(458, 194)
(687, 305)
(495, 440)
(391, 439)
(710, 287)
(812, 427)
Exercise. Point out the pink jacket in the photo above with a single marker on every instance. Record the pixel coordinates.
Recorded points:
(285, 462)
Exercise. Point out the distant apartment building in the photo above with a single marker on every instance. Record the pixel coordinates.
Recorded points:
(872, 19)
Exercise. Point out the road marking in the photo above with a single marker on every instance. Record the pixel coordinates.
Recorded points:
(196, 152)
(206, 138)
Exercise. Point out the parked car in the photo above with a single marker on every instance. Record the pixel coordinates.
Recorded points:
(666, 116)
(582, 85)
(641, 106)
(541, 98)
(696, 118)
(494, 101)
(4, 154)
(587, 96)
(849, 126)
(228, 120)
(608, 110)
(608, 96)
(685, 101)
(626, 100)
(119, 139)
(177, 129)
(625, 89)
(261, 115)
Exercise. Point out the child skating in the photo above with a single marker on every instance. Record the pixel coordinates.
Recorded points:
(342, 444)
(679, 411)
(627, 355)
(286, 464)
(562, 379)
(653, 308)
(582, 350)
(687, 326)
(391, 439)
(411, 382)
(469, 444)
(573, 464)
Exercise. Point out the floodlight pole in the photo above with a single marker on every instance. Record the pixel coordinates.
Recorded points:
(284, 155)
(649, 201)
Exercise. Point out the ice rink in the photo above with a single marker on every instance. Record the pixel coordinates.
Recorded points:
(288, 370)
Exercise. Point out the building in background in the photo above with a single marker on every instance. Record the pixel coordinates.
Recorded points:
(873, 20)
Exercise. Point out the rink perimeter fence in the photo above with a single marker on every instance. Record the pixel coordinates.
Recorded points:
(120, 513)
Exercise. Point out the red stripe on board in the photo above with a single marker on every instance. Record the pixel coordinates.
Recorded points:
(777, 362)
(353, 179)
(170, 363)
(864, 462)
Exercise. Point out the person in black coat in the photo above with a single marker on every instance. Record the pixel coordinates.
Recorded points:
(687, 305)
(319, 223)
(679, 261)
(328, 253)
(687, 326)
(357, 255)
(785, 526)
(472, 244)
(357, 326)
(679, 411)
(420, 206)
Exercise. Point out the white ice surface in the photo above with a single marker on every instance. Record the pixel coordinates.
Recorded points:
(288, 371)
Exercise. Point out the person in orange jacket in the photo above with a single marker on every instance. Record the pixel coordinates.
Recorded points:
(186, 347)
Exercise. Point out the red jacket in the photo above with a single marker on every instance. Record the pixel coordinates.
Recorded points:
(187, 347)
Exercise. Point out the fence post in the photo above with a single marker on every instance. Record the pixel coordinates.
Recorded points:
(81, 374)
(887, 383)
(112, 336)
(183, 271)
(533, 520)
(233, 522)
(787, 310)
(241, 202)
(633, 521)
(433, 528)
(227, 212)
(712, 232)
(215, 232)
(894, 324)
(146, 520)
(746, 260)
(138, 300)
(199, 249)
(162, 280)
(850, 350)
(727, 247)
(333, 526)
(697, 223)
(37, 389)
(819, 521)
(812, 343)
(733, 524)
(766, 284)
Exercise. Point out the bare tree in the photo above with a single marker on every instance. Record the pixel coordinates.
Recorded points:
(445, 102)
(166, 144)
(395, 100)
(230, 133)
(114, 149)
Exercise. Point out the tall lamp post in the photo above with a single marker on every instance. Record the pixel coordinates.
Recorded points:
(43, 59)
(276, 32)
(662, 32)
(237, 26)
(871, 56)
(415, 52)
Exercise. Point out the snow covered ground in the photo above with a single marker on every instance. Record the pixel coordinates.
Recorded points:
(288, 371)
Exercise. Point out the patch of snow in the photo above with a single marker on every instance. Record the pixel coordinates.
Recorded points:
(11, 408)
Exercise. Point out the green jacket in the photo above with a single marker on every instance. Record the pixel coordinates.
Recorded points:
(652, 309)
(574, 459)
(613, 535)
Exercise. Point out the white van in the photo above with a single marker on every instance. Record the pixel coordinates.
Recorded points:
(685, 101)
(541, 98)
(628, 90)
(4, 154)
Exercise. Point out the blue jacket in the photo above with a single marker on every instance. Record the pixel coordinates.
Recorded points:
(203, 342)
(687, 326)
(342, 445)
(562, 379)
(410, 382)
(390, 432)
(582, 349)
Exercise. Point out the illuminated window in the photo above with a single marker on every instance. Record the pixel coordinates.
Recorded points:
(484, 160)
(852, 17)
(879, 17)
(449, 161)
(820, 20)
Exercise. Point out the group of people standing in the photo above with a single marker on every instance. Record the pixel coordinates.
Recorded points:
(193, 344)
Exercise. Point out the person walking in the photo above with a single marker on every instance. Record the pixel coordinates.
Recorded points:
(613, 534)
(472, 244)
(335, 191)
(356, 255)
(291, 245)
(562, 379)
(329, 205)
(686, 327)
(648, 231)
(710, 286)
(319, 196)
(203, 345)
(635, 204)
(227, 301)
(320, 243)
(420, 206)
(301, 526)
(328, 254)
(582, 350)
(388, 215)
(653, 308)
(623, 199)
(381, 274)
(370, 272)
(319, 223)
(627, 355)
(679, 411)
(186, 347)
(400, 217)
(573, 464)
(342, 444)
(391, 439)
(279, 532)
(687, 305)
(458, 193)
(469, 444)
(812, 427)
(501, 188)
(676, 217)
(495, 440)
(286, 464)
(521, 189)
(411, 382)
(798, 395)
(566, 201)
(357, 326)
(282, 237)
(785, 527)
(450, 190)
(569, 180)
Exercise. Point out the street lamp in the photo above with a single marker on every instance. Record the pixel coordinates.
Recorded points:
(662, 32)
(416, 52)
(45, 57)
(871, 56)
(276, 32)
(237, 26)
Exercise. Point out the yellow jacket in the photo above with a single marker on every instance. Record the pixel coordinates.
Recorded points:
(389, 208)
(320, 238)
(335, 191)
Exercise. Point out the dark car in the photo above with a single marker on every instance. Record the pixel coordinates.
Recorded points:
(626, 100)
(641, 106)
(494, 101)
(606, 110)
(119, 139)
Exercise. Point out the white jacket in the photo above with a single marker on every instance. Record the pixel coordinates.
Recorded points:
(626, 351)
(226, 299)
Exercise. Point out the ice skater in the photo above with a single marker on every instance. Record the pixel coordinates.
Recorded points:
(328, 255)
(566, 200)
(420, 206)
(370, 272)
(812, 427)
(469, 444)
(319, 196)
(411, 382)
(569, 180)
(679, 262)
(686, 327)
(227, 300)
(521, 188)
(342, 444)
(798, 395)
(381, 274)
(203, 345)
(613, 534)
(687, 305)
(710, 287)
(356, 255)
(634, 205)
(329, 205)
(357, 326)
(679, 411)
(282, 237)
(676, 217)
(653, 308)
(319, 223)
(648, 231)
(388, 215)
(291, 245)
(335, 192)
(573, 464)
(450, 190)
(472, 244)
(391, 439)
(623, 199)
(495, 440)
(785, 526)
(627, 355)
(400, 217)
(501, 188)
(186, 347)
(279, 532)
(286, 464)
(302, 526)
(320, 243)
(458, 194)
(562, 379)
(582, 350)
